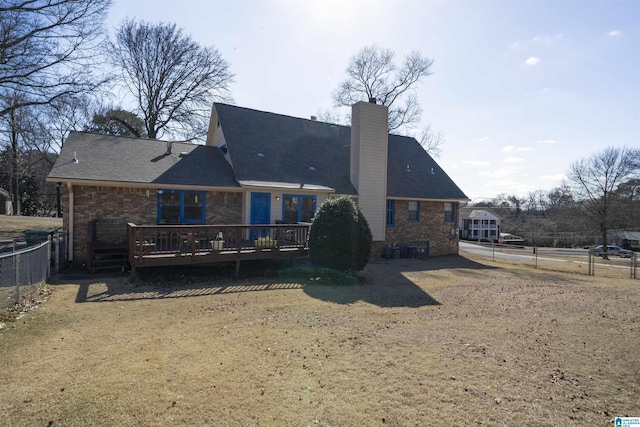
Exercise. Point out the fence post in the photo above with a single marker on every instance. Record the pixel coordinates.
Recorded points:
(17, 271)
(56, 255)
(493, 255)
(633, 266)
(49, 257)
(535, 251)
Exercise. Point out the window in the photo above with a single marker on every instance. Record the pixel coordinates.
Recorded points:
(178, 207)
(414, 211)
(450, 212)
(297, 208)
(391, 213)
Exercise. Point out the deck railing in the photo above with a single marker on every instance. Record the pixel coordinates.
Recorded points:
(155, 245)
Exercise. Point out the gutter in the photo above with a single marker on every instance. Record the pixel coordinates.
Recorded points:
(70, 242)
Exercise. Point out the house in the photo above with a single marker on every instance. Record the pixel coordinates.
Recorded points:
(623, 238)
(479, 223)
(6, 207)
(260, 168)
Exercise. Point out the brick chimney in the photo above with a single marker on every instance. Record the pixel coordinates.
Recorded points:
(369, 142)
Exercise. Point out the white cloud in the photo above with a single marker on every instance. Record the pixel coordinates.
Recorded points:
(532, 61)
(499, 173)
(556, 177)
(547, 141)
(483, 139)
(515, 45)
(509, 186)
(476, 162)
(614, 33)
(513, 160)
(510, 148)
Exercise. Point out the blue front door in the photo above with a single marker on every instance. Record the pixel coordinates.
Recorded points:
(260, 211)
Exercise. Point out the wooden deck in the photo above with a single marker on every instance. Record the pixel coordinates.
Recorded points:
(164, 245)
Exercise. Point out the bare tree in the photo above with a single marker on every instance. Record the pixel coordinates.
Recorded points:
(595, 180)
(430, 140)
(48, 49)
(372, 73)
(173, 79)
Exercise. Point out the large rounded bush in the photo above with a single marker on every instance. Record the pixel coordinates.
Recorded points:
(340, 237)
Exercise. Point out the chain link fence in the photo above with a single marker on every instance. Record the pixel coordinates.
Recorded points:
(580, 261)
(22, 271)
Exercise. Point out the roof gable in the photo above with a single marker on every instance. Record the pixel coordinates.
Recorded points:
(471, 212)
(268, 147)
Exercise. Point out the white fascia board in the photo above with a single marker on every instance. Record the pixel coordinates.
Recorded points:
(286, 186)
(428, 200)
(131, 184)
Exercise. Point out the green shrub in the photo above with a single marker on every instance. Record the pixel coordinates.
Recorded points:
(340, 237)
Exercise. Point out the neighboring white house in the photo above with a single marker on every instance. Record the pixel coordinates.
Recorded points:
(6, 207)
(479, 223)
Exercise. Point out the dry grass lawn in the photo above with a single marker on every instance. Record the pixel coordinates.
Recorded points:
(423, 342)
(13, 226)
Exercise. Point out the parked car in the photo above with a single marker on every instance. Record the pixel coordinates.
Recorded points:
(613, 250)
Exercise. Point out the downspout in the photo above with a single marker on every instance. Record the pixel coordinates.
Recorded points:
(70, 213)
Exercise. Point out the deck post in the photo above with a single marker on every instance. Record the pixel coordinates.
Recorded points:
(237, 273)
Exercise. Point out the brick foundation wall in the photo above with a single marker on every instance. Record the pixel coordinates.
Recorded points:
(114, 207)
(430, 227)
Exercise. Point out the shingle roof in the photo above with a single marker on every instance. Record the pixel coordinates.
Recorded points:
(265, 149)
(412, 173)
(268, 147)
(135, 160)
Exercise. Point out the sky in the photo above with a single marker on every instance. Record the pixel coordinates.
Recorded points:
(520, 89)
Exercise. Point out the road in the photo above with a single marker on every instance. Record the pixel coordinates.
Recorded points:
(526, 254)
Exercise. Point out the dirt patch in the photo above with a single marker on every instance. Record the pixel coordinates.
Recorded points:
(418, 342)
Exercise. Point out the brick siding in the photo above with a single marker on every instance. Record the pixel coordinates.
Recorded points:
(114, 207)
(431, 226)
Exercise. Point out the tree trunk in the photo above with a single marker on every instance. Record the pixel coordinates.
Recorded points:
(14, 179)
(603, 233)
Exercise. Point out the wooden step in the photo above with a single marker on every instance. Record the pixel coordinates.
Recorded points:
(108, 258)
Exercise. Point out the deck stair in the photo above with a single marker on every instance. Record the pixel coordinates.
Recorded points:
(105, 256)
